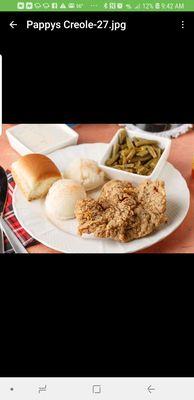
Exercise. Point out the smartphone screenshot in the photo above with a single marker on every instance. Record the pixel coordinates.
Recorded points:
(96, 199)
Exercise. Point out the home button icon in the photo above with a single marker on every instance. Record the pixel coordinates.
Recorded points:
(96, 389)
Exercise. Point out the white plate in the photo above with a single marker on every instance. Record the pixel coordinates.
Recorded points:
(33, 219)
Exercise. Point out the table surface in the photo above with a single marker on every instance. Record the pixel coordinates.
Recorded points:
(182, 152)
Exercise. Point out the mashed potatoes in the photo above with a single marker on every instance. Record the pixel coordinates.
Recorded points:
(62, 198)
(86, 172)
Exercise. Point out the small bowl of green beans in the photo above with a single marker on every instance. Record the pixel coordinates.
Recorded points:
(135, 156)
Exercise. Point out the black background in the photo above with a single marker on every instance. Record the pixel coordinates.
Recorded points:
(103, 315)
(141, 75)
(64, 315)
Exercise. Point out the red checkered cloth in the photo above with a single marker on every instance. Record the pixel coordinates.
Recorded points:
(12, 221)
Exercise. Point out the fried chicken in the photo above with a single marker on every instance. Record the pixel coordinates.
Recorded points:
(123, 212)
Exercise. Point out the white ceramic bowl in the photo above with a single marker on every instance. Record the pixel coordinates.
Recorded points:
(19, 138)
(113, 173)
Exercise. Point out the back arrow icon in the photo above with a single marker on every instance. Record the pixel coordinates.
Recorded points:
(150, 389)
(13, 24)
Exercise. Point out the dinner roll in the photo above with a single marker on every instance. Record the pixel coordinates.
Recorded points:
(61, 200)
(86, 172)
(35, 174)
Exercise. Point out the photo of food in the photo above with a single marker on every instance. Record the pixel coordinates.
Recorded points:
(96, 188)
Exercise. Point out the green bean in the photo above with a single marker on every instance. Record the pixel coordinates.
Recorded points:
(147, 164)
(142, 153)
(135, 155)
(129, 143)
(152, 151)
(111, 160)
(137, 164)
(122, 136)
(131, 154)
(153, 163)
(146, 159)
(158, 151)
(136, 141)
(130, 165)
(141, 170)
(123, 146)
(118, 167)
(125, 152)
(143, 142)
(115, 150)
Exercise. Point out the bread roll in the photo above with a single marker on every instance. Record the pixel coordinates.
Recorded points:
(86, 172)
(34, 174)
(61, 200)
